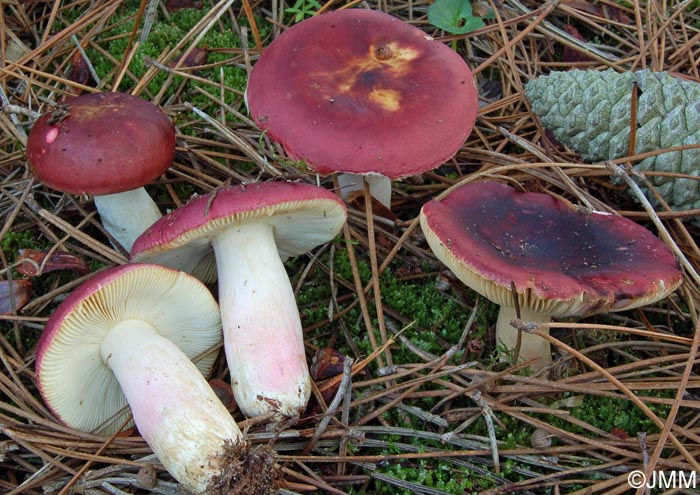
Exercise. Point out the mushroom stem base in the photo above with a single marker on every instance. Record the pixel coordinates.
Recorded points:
(531, 346)
(175, 410)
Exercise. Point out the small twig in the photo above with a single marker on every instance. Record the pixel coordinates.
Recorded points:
(9, 108)
(253, 25)
(339, 396)
(90, 67)
(519, 339)
(622, 388)
(234, 138)
(487, 413)
(633, 119)
(74, 232)
(149, 19)
(376, 288)
(619, 171)
(85, 466)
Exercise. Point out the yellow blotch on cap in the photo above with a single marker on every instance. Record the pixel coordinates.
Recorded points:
(388, 99)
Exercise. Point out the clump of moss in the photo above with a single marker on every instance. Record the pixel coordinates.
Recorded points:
(164, 34)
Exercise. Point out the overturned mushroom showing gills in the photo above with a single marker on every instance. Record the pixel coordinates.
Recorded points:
(362, 92)
(122, 343)
(108, 145)
(562, 261)
(252, 229)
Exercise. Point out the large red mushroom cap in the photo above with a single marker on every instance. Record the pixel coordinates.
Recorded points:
(360, 91)
(563, 261)
(101, 143)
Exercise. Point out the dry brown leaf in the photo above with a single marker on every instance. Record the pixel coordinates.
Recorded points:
(33, 262)
(13, 295)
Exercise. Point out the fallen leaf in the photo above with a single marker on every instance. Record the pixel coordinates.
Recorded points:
(572, 55)
(32, 262)
(454, 16)
(356, 199)
(13, 295)
(196, 57)
(79, 70)
(619, 433)
(223, 391)
(326, 363)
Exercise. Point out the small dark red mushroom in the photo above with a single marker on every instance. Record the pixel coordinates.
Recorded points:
(562, 261)
(108, 145)
(362, 92)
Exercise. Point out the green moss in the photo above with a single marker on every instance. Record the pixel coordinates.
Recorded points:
(15, 240)
(164, 35)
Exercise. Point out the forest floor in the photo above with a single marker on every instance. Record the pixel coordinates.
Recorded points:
(430, 404)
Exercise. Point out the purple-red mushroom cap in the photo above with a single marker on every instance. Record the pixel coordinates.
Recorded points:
(76, 384)
(303, 216)
(563, 261)
(100, 144)
(363, 92)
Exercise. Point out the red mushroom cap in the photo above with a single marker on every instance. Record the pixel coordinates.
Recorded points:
(360, 91)
(303, 216)
(101, 143)
(563, 261)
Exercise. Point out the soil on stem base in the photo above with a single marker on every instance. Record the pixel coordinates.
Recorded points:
(246, 471)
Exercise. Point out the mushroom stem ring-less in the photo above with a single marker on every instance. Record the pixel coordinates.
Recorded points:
(175, 410)
(127, 214)
(251, 231)
(126, 338)
(259, 314)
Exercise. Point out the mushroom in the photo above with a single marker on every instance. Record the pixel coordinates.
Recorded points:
(361, 92)
(126, 337)
(108, 145)
(251, 230)
(561, 261)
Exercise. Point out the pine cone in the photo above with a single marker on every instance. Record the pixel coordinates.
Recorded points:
(589, 111)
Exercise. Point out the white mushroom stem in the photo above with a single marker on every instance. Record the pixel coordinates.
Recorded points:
(175, 410)
(379, 186)
(263, 337)
(531, 346)
(127, 215)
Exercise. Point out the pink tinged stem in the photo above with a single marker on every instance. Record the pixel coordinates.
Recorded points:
(175, 410)
(531, 346)
(263, 337)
